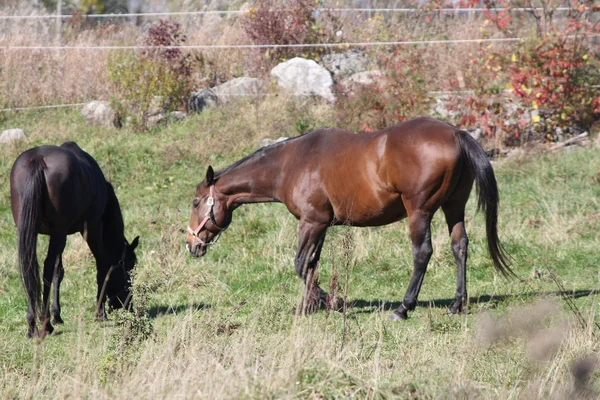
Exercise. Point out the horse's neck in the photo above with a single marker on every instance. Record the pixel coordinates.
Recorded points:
(113, 235)
(255, 181)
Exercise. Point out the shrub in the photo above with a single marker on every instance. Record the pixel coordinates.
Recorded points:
(553, 76)
(399, 94)
(282, 23)
(155, 78)
(549, 78)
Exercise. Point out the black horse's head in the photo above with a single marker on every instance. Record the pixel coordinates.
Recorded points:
(210, 216)
(118, 288)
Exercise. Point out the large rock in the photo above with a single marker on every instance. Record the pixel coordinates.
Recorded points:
(12, 135)
(304, 78)
(203, 99)
(100, 112)
(237, 88)
(345, 64)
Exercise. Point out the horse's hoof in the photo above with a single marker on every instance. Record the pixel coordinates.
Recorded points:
(57, 320)
(398, 315)
(100, 318)
(31, 335)
(335, 303)
(456, 307)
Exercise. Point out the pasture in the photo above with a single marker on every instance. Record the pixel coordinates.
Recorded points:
(222, 326)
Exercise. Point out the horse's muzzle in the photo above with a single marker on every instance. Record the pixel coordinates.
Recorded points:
(195, 249)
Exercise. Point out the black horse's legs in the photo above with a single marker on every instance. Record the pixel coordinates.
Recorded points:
(58, 277)
(310, 242)
(51, 266)
(420, 235)
(460, 243)
(93, 237)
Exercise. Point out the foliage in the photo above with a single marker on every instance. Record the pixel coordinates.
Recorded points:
(103, 6)
(399, 94)
(546, 83)
(126, 342)
(155, 79)
(282, 23)
(552, 75)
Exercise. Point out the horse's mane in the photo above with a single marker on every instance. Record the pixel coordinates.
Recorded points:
(258, 153)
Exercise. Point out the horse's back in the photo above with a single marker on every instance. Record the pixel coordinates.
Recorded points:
(73, 185)
(364, 179)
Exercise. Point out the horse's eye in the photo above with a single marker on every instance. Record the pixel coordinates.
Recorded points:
(196, 202)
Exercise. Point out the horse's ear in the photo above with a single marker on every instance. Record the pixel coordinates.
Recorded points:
(135, 243)
(210, 176)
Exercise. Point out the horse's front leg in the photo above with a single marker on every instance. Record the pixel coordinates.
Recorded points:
(310, 242)
(93, 236)
(51, 269)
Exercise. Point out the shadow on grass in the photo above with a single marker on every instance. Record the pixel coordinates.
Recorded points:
(361, 306)
(160, 310)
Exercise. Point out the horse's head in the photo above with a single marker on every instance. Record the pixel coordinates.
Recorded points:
(118, 289)
(210, 216)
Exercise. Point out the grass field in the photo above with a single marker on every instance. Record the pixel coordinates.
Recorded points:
(222, 327)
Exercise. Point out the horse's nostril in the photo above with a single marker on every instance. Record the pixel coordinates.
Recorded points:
(187, 247)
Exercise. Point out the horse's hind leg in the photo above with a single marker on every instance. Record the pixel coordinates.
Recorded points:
(420, 236)
(51, 269)
(58, 277)
(455, 218)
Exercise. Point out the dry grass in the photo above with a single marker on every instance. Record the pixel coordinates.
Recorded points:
(38, 77)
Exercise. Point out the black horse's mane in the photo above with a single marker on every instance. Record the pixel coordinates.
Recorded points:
(258, 153)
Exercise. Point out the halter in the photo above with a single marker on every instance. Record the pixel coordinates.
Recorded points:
(210, 215)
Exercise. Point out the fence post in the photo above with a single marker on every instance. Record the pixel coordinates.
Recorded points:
(58, 20)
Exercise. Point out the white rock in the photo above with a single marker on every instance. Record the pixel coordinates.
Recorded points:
(100, 112)
(304, 78)
(12, 135)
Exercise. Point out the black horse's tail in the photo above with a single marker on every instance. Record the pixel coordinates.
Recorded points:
(487, 193)
(29, 222)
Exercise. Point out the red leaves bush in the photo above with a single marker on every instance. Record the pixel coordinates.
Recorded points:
(282, 23)
(399, 94)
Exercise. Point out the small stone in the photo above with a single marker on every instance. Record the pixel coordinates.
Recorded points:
(177, 116)
(12, 135)
(156, 119)
(267, 141)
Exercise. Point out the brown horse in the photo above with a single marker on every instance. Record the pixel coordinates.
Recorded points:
(59, 191)
(333, 177)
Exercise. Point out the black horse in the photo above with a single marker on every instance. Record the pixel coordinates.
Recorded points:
(58, 191)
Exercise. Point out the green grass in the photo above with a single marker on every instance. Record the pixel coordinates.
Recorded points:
(222, 325)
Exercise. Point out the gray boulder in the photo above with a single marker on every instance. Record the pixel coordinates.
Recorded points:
(203, 99)
(156, 119)
(304, 78)
(177, 116)
(12, 135)
(101, 113)
(345, 64)
(237, 88)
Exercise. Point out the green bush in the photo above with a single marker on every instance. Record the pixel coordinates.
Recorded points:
(158, 78)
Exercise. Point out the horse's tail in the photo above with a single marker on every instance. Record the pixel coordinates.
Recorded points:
(29, 222)
(488, 199)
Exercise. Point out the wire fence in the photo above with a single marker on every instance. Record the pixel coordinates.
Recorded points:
(238, 12)
(340, 45)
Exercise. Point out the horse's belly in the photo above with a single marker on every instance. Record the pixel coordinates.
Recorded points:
(370, 213)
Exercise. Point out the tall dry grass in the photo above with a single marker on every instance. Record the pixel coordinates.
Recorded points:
(36, 77)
